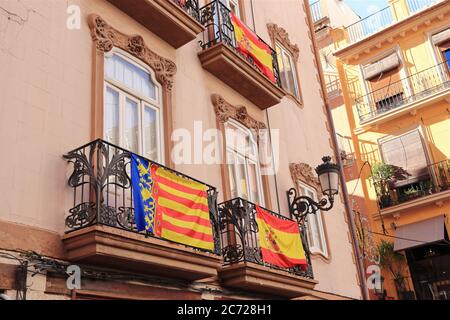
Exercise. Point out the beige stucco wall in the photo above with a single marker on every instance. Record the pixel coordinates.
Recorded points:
(45, 111)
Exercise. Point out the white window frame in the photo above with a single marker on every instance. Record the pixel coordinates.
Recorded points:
(248, 159)
(142, 102)
(320, 227)
(284, 52)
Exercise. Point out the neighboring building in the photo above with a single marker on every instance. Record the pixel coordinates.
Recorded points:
(133, 75)
(391, 108)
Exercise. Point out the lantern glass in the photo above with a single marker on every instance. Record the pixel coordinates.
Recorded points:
(328, 177)
(329, 181)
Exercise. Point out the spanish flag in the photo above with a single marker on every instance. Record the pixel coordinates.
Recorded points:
(178, 209)
(251, 46)
(279, 240)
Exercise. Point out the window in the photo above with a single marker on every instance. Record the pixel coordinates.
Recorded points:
(406, 152)
(243, 163)
(233, 5)
(288, 73)
(314, 224)
(446, 54)
(132, 112)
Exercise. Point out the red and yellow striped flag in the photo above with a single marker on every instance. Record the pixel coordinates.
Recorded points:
(182, 213)
(250, 45)
(279, 240)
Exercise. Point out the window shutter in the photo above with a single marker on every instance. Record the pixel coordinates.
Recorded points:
(441, 37)
(384, 65)
(407, 152)
(387, 90)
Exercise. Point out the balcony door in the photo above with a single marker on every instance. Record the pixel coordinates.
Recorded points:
(243, 163)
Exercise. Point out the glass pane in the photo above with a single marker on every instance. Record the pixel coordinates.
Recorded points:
(290, 75)
(112, 116)
(131, 76)
(253, 180)
(131, 126)
(314, 224)
(282, 67)
(150, 134)
(447, 57)
(241, 178)
(232, 175)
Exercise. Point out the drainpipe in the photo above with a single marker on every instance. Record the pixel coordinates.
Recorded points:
(348, 209)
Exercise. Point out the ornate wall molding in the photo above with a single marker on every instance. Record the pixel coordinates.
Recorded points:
(224, 111)
(305, 173)
(106, 38)
(279, 34)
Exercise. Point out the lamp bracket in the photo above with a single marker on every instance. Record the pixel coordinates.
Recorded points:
(301, 206)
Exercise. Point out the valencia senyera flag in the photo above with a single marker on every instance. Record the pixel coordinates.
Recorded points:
(170, 206)
(279, 240)
(250, 45)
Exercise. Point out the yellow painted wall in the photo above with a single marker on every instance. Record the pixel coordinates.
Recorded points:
(418, 54)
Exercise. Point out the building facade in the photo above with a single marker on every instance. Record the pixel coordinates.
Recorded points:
(87, 83)
(391, 112)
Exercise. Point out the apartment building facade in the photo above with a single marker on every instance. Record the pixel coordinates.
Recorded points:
(79, 96)
(391, 109)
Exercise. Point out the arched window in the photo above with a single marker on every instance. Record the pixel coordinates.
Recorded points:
(243, 163)
(132, 111)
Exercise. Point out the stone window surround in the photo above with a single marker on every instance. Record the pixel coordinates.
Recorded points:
(304, 172)
(105, 38)
(280, 35)
(224, 111)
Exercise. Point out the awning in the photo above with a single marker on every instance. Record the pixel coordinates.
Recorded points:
(427, 231)
(381, 66)
(441, 37)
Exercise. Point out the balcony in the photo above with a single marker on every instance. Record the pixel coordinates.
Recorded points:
(221, 57)
(431, 187)
(384, 18)
(101, 226)
(316, 11)
(405, 95)
(174, 21)
(244, 267)
(369, 25)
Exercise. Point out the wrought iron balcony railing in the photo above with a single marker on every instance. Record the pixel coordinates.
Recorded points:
(370, 25)
(316, 11)
(410, 89)
(216, 18)
(103, 192)
(190, 6)
(437, 180)
(239, 236)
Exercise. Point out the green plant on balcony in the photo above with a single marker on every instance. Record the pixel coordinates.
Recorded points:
(394, 263)
(444, 174)
(412, 193)
(382, 175)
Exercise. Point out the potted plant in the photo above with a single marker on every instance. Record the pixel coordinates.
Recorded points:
(411, 193)
(393, 263)
(382, 175)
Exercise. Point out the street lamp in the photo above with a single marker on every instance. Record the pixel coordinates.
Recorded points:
(301, 206)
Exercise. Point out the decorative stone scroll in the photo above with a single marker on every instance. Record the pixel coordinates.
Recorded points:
(224, 111)
(106, 38)
(305, 173)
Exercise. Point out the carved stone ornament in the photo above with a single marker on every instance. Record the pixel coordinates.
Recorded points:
(224, 111)
(305, 173)
(278, 34)
(106, 38)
